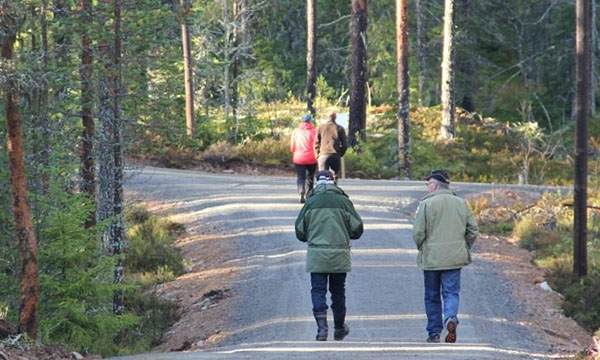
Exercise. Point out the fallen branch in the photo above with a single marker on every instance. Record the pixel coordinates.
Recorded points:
(588, 206)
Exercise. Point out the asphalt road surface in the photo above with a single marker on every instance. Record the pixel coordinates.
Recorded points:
(273, 319)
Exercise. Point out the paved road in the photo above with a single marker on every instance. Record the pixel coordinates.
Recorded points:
(384, 291)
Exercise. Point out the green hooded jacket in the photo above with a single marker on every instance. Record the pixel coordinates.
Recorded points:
(327, 222)
(444, 231)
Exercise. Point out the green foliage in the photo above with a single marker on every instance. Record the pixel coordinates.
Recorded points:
(581, 298)
(76, 279)
(504, 228)
(269, 152)
(150, 248)
(532, 237)
(220, 153)
(156, 316)
(547, 230)
(363, 164)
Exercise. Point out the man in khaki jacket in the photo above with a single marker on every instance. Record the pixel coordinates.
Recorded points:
(444, 231)
(330, 145)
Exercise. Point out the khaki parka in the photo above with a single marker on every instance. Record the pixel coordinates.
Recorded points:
(327, 222)
(444, 231)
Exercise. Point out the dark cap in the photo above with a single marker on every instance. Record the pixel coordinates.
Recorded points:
(324, 175)
(307, 118)
(439, 175)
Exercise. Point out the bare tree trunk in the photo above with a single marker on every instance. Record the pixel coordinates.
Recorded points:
(421, 51)
(118, 226)
(237, 12)
(583, 71)
(105, 145)
(106, 141)
(189, 86)
(447, 131)
(88, 166)
(61, 44)
(28, 251)
(44, 126)
(311, 54)
(403, 88)
(227, 79)
(466, 66)
(594, 34)
(358, 76)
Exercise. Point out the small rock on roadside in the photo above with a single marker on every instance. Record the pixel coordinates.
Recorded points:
(544, 285)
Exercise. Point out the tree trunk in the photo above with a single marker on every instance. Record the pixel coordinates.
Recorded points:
(88, 167)
(311, 53)
(358, 74)
(44, 126)
(594, 35)
(62, 43)
(105, 144)
(403, 88)
(235, 60)
(583, 60)
(28, 251)
(227, 70)
(447, 131)
(189, 86)
(465, 66)
(421, 51)
(118, 226)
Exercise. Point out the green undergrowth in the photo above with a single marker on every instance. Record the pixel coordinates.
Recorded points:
(485, 149)
(547, 231)
(151, 259)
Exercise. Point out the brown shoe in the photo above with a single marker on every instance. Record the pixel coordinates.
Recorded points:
(451, 327)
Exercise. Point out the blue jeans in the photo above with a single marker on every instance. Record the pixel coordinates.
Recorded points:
(441, 284)
(337, 288)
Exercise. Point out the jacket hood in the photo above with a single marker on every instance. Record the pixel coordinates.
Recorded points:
(306, 126)
(438, 192)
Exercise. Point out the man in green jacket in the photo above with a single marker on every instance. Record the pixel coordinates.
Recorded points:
(444, 231)
(327, 222)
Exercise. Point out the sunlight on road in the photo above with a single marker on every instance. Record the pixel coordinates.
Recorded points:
(399, 347)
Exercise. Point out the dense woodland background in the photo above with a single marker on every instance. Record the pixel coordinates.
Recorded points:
(98, 82)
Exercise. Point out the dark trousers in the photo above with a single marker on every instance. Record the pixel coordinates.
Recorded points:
(305, 183)
(331, 162)
(337, 288)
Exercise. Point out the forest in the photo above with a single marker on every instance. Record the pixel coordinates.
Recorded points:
(92, 88)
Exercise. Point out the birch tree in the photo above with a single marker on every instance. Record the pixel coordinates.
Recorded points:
(187, 68)
(447, 131)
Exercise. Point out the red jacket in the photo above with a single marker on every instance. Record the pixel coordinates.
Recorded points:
(302, 142)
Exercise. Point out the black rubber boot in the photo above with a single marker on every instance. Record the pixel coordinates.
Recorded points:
(341, 329)
(322, 328)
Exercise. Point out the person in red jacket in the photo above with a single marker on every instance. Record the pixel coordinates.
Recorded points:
(305, 162)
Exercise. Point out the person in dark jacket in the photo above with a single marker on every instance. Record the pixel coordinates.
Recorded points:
(327, 222)
(301, 145)
(330, 145)
(444, 231)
